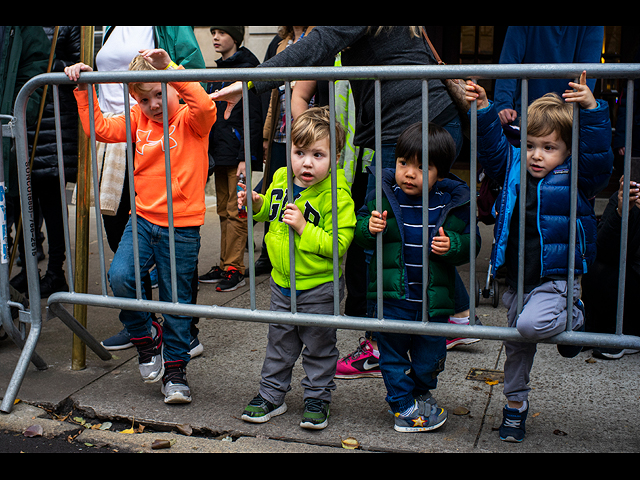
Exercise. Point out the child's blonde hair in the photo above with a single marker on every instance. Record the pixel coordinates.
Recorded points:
(139, 64)
(315, 125)
(551, 114)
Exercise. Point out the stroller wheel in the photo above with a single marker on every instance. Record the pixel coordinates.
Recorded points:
(496, 293)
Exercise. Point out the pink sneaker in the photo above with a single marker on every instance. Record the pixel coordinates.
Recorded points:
(456, 342)
(360, 364)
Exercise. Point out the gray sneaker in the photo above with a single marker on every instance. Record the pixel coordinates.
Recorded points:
(175, 387)
(150, 359)
(427, 418)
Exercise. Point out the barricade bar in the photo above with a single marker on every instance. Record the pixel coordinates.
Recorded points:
(288, 75)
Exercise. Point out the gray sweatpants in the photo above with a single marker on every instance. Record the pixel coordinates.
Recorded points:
(317, 345)
(544, 315)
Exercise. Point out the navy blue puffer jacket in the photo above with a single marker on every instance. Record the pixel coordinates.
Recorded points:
(502, 160)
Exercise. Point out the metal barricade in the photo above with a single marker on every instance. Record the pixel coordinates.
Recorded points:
(17, 334)
(289, 75)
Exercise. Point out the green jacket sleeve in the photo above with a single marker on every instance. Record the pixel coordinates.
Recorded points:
(319, 241)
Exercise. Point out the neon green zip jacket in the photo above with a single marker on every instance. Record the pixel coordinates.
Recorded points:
(314, 249)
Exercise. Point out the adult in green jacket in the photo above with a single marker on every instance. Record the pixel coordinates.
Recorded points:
(314, 249)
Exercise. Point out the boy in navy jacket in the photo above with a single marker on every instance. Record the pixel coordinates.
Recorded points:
(547, 219)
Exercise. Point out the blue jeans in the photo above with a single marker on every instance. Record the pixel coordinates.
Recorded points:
(423, 357)
(154, 250)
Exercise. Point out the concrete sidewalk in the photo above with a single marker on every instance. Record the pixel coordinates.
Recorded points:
(578, 405)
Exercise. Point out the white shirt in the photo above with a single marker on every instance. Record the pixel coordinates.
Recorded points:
(122, 46)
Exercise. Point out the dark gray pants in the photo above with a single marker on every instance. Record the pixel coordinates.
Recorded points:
(286, 343)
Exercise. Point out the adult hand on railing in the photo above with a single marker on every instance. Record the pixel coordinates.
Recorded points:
(74, 71)
(231, 94)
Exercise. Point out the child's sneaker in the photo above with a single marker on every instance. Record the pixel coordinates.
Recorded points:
(426, 418)
(150, 356)
(261, 411)
(120, 341)
(233, 280)
(316, 414)
(175, 387)
(456, 342)
(360, 364)
(513, 428)
(215, 275)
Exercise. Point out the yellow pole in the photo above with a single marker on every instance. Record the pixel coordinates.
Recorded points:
(83, 205)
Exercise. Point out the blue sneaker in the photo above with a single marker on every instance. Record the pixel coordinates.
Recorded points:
(513, 428)
(120, 341)
(427, 418)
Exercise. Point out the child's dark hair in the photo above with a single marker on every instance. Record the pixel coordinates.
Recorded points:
(442, 148)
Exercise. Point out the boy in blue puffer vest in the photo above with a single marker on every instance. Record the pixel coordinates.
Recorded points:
(547, 220)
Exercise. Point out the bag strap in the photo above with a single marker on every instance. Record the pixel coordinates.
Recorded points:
(433, 50)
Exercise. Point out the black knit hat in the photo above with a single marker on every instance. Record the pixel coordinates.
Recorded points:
(237, 33)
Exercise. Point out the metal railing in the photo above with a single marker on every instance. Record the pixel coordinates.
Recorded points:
(289, 75)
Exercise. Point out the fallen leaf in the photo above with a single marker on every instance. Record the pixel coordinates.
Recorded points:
(491, 382)
(34, 431)
(106, 426)
(162, 444)
(560, 433)
(461, 411)
(79, 420)
(350, 444)
(131, 431)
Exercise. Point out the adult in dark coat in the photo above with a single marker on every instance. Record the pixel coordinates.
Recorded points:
(45, 174)
(601, 282)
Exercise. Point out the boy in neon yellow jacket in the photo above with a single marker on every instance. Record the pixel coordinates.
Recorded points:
(311, 218)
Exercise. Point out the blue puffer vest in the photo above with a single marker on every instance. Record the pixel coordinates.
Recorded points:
(501, 160)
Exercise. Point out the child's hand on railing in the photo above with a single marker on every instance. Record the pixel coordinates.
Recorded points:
(476, 92)
(74, 71)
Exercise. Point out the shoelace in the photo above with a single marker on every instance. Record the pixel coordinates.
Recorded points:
(314, 405)
(359, 351)
(511, 423)
(175, 374)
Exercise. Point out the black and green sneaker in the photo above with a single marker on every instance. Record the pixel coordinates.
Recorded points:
(316, 414)
(261, 411)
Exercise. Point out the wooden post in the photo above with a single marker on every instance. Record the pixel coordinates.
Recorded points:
(83, 206)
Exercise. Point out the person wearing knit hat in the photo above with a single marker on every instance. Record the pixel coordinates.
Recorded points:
(237, 33)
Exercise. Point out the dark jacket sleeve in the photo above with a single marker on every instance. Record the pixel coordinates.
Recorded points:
(320, 44)
(596, 156)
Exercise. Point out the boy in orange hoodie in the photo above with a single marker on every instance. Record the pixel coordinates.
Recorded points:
(163, 350)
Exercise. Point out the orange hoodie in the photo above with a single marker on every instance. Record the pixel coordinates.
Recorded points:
(189, 137)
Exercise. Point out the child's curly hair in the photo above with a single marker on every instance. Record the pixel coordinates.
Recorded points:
(315, 125)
